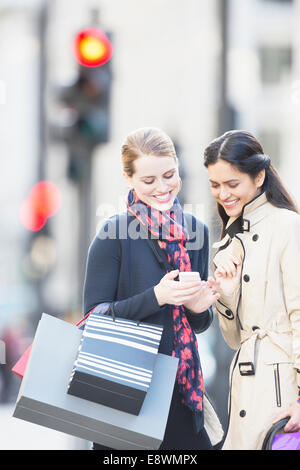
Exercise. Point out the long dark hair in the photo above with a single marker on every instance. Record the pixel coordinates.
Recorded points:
(242, 149)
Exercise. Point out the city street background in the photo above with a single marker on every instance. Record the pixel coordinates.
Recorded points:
(194, 68)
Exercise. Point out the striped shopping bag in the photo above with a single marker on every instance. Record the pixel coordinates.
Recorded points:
(115, 362)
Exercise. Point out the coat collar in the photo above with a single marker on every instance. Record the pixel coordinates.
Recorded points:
(253, 212)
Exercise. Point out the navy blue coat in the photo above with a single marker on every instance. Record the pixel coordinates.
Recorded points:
(120, 268)
(127, 270)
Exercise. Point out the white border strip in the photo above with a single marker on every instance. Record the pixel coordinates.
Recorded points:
(132, 344)
(120, 332)
(118, 378)
(119, 373)
(120, 326)
(117, 362)
(112, 366)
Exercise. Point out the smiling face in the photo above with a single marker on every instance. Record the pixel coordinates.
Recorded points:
(231, 188)
(155, 180)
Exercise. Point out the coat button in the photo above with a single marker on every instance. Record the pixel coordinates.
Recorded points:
(246, 278)
(255, 237)
(242, 413)
(228, 312)
(255, 328)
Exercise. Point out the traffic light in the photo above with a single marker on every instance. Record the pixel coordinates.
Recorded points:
(92, 47)
(42, 202)
(88, 99)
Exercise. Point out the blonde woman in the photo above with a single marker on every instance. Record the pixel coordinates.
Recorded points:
(138, 270)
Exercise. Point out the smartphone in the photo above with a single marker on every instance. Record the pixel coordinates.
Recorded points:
(189, 276)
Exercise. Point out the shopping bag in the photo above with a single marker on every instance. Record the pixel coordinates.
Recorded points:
(212, 424)
(43, 397)
(115, 361)
(276, 439)
(20, 367)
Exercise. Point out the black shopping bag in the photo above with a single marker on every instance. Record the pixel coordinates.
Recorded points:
(115, 362)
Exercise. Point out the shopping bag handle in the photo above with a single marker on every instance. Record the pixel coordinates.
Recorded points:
(267, 444)
(111, 311)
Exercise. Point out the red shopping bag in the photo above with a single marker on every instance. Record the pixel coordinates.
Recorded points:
(20, 367)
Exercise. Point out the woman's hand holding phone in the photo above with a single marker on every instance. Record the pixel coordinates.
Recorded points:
(205, 297)
(190, 291)
(172, 292)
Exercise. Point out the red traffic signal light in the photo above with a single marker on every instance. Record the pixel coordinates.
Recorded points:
(42, 202)
(92, 47)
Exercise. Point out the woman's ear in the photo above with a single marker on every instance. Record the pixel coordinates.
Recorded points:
(260, 178)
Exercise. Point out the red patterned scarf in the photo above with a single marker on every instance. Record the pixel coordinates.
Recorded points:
(168, 226)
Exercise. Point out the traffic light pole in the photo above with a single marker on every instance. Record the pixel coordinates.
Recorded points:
(42, 31)
(87, 99)
(38, 283)
(80, 167)
(85, 202)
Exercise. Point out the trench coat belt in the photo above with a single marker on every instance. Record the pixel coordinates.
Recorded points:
(248, 342)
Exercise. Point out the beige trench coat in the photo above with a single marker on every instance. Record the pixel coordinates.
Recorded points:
(262, 321)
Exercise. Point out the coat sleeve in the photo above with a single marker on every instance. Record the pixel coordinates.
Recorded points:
(226, 307)
(102, 277)
(290, 262)
(201, 321)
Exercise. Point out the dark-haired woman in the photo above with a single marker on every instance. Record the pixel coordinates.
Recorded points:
(257, 266)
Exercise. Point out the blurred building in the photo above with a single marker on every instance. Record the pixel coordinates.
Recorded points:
(260, 92)
(194, 69)
(19, 122)
(165, 74)
(263, 78)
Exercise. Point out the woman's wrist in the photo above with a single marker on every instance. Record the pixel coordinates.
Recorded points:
(158, 296)
(197, 311)
(194, 310)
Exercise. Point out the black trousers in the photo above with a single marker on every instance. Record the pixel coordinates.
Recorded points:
(180, 434)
